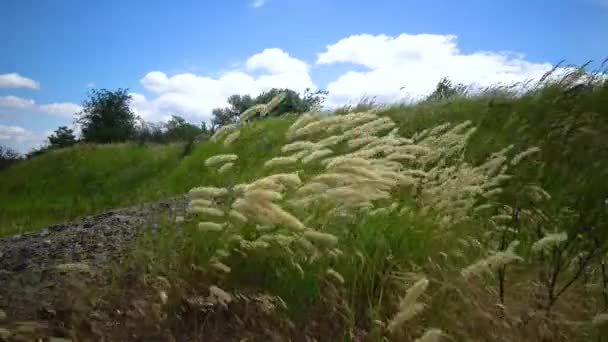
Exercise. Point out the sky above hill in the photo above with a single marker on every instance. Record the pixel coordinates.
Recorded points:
(186, 57)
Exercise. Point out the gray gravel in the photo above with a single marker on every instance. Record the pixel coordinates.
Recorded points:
(29, 277)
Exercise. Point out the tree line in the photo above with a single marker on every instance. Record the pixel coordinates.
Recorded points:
(107, 117)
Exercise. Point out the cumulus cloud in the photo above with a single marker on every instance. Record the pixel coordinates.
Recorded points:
(411, 65)
(62, 109)
(13, 133)
(11, 101)
(194, 96)
(14, 80)
(21, 139)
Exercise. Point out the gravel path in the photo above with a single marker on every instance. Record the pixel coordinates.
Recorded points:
(33, 265)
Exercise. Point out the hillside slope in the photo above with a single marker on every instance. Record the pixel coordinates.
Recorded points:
(370, 225)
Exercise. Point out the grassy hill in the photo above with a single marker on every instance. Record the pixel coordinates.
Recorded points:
(470, 205)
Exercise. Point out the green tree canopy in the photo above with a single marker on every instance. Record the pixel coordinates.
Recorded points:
(292, 103)
(106, 116)
(62, 137)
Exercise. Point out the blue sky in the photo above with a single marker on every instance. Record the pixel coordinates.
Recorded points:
(185, 57)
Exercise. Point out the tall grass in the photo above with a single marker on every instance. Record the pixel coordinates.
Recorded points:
(405, 222)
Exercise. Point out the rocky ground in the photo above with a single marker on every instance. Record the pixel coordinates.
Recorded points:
(35, 267)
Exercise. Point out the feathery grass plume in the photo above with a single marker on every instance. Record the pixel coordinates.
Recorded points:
(299, 155)
(502, 218)
(320, 238)
(231, 138)
(331, 141)
(334, 178)
(276, 182)
(409, 306)
(209, 211)
(600, 319)
(335, 275)
(493, 165)
(302, 121)
(361, 141)
(274, 103)
(298, 145)
(264, 211)
(220, 159)
(492, 262)
(252, 111)
(200, 203)
(492, 193)
(316, 155)
(210, 227)
(346, 160)
(220, 295)
(414, 149)
(312, 188)
(496, 181)
(179, 219)
(222, 253)
(225, 167)
(220, 266)
(207, 192)
(523, 155)
(223, 131)
(312, 128)
(431, 335)
(280, 161)
(371, 128)
(391, 140)
(415, 173)
(237, 216)
(401, 156)
(298, 268)
(536, 193)
(260, 195)
(373, 152)
(549, 241)
(356, 119)
(281, 216)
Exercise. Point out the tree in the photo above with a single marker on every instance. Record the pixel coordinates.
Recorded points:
(106, 116)
(62, 137)
(8, 157)
(293, 103)
(225, 116)
(179, 129)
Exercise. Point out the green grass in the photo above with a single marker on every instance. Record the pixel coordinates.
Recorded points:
(64, 184)
(569, 127)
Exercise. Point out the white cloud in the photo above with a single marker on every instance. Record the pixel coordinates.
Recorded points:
(194, 96)
(21, 139)
(62, 109)
(12, 132)
(14, 80)
(257, 3)
(11, 101)
(416, 63)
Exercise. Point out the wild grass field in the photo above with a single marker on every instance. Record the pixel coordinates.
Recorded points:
(472, 218)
